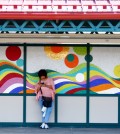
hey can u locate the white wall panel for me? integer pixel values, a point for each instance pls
(103, 110)
(11, 109)
(71, 109)
(33, 111)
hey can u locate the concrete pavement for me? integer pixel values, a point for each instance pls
(58, 130)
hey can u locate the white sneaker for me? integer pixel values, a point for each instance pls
(43, 125)
(46, 126)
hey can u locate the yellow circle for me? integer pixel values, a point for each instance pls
(56, 56)
(117, 70)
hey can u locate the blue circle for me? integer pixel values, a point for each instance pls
(20, 62)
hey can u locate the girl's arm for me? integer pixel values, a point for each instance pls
(51, 85)
(37, 87)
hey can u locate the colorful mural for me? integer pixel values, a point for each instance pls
(11, 69)
(104, 70)
(66, 65)
(102, 83)
(62, 63)
(12, 79)
(73, 82)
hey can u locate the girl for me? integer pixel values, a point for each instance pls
(45, 88)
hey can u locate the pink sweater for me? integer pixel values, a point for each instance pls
(47, 92)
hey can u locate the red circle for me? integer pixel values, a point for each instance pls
(56, 49)
(13, 53)
(72, 64)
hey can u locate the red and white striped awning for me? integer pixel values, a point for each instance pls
(60, 9)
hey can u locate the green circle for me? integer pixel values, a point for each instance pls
(70, 57)
(81, 50)
(88, 58)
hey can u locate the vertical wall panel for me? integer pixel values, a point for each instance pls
(11, 109)
(71, 109)
(33, 111)
(103, 110)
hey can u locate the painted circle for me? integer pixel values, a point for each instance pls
(70, 57)
(56, 49)
(13, 53)
(79, 77)
(71, 60)
(81, 50)
(56, 53)
(20, 62)
(88, 58)
(117, 70)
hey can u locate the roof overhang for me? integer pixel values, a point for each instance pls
(60, 39)
(60, 16)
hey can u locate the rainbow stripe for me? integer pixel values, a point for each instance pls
(12, 80)
(102, 83)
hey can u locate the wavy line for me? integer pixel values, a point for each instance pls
(30, 85)
(107, 78)
(99, 82)
(66, 87)
(66, 83)
(13, 86)
(73, 91)
(110, 91)
(29, 91)
(7, 63)
(17, 90)
(95, 78)
(9, 76)
(8, 72)
(101, 87)
(59, 80)
(10, 82)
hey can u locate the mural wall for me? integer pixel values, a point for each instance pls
(11, 69)
(66, 65)
(105, 70)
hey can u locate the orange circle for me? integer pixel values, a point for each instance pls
(56, 49)
(72, 64)
(54, 55)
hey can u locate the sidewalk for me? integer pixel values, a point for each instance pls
(35, 130)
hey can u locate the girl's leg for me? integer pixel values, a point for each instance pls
(41, 105)
(48, 113)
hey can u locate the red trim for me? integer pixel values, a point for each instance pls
(59, 7)
(104, 7)
(60, 16)
(30, 6)
(74, 7)
(89, 6)
(118, 7)
(44, 6)
(15, 6)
